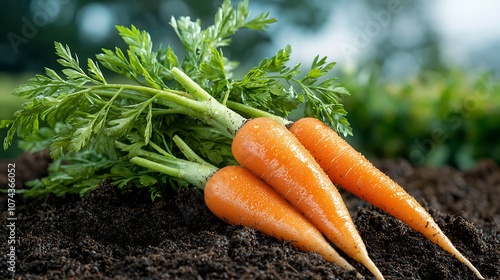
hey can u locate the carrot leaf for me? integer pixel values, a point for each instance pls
(82, 118)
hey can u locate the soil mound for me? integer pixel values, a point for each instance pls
(124, 235)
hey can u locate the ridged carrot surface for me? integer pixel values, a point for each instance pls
(352, 171)
(269, 150)
(236, 196)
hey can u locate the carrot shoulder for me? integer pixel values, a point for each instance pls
(269, 150)
(353, 172)
(236, 196)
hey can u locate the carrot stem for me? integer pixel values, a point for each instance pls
(176, 101)
(188, 152)
(254, 112)
(231, 120)
(194, 173)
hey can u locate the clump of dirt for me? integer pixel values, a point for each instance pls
(124, 235)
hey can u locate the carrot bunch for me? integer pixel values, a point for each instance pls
(285, 184)
(237, 196)
(303, 162)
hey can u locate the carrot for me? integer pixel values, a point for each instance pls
(236, 196)
(266, 147)
(352, 171)
(269, 150)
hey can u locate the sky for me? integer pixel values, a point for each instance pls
(465, 28)
(470, 31)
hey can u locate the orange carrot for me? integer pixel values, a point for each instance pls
(353, 172)
(236, 196)
(269, 150)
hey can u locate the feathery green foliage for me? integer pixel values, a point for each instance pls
(82, 118)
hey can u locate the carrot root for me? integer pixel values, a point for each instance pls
(352, 171)
(236, 196)
(269, 150)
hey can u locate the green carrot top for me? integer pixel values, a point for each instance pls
(80, 115)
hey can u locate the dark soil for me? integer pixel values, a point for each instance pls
(112, 235)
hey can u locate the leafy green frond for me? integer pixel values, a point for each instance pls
(199, 42)
(139, 42)
(66, 59)
(262, 86)
(117, 62)
(278, 62)
(169, 58)
(76, 173)
(94, 129)
(73, 71)
(214, 68)
(261, 21)
(323, 97)
(95, 72)
(141, 64)
(189, 33)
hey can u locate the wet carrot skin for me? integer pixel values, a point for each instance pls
(271, 152)
(350, 170)
(236, 196)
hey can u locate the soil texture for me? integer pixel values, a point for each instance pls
(124, 235)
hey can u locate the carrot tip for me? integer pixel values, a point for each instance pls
(378, 275)
(461, 258)
(368, 263)
(474, 269)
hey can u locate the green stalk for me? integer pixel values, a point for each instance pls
(180, 102)
(174, 97)
(188, 152)
(229, 119)
(160, 150)
(254, 112)
(194, 171)
(203, 106)
(191, 172)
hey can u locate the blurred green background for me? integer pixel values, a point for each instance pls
(423, 76)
